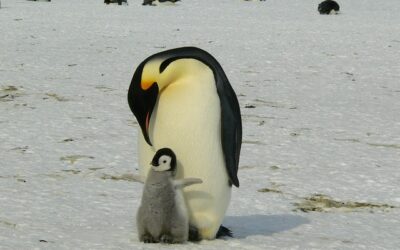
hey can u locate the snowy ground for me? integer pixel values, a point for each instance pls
(320, 99)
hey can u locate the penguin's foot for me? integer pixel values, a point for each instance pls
(194, 234)
(148, 239)
(167, 239)
(224, 232)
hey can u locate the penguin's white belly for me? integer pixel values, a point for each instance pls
(187, 119)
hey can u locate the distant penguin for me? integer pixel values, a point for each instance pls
(156, 2)
(162, 215)
(182, 98)
(328, 7)
(115, 1)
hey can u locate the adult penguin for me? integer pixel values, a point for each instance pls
(157, 2)
(328, 7)
(183, 100)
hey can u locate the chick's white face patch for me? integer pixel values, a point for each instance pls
(164, 163)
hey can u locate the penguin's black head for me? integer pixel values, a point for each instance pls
(152, 76)
(164, 160)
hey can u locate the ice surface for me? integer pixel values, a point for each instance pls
(320, 100)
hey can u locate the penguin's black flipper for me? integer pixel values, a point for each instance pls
(194, 235)
(224, 232)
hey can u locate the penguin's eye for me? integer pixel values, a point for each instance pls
(164, 161)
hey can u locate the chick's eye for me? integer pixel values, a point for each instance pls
(164, 161)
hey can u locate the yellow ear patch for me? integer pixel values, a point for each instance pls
(146, 84)
(150, 74)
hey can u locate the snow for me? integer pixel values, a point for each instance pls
(325, 93)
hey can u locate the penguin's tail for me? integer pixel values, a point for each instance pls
(224, 232)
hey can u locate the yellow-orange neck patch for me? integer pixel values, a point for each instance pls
(145, 85)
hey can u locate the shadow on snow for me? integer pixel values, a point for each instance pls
(259, 224)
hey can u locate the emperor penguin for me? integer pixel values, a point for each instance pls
(158, 2)
(328, 7)
(162, 215)
(182, 98)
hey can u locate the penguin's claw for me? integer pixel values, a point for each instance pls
(148, 239)
(167, 239)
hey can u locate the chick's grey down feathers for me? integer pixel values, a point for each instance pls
(160, 218)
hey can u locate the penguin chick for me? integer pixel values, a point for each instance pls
(162, 215)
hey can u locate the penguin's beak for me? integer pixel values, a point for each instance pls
(142, 98)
